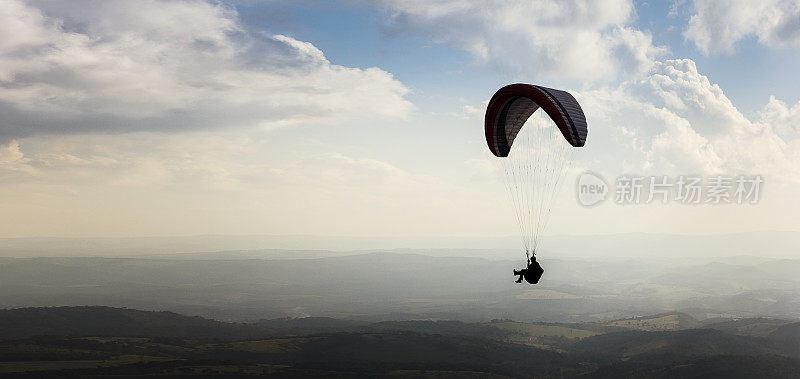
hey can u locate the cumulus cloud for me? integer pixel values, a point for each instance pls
(577, 39)
(675, 121)
(785, 119)
(716, 26)
(168, 65)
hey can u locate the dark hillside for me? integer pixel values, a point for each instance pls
(104, 341)
(729, 367)
(693, 342)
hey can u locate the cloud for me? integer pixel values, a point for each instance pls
(785, 119)
(716, 26)
(676, 122)
(169, 65)
(577, 39)
(473, 112)
(13, 163)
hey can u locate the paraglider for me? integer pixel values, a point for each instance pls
(532, 273)
(535, 158)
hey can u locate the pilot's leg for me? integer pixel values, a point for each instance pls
(521, 273)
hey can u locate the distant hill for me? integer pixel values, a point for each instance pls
(106, 321)
(376, 286)
(447, 328)
(316, 323)
(663, 321)
(788, 337)
(755, 327)
(779, 244)
(692, 342)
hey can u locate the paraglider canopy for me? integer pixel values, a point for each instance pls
(541, 150)
(513, 104)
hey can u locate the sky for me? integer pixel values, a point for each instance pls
(364, 118)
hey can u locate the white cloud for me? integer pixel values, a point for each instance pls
(676, 122)
(168, 65)
(13, 161)
(784, 119)
(474, 112)
(716, 26)
(576, 39)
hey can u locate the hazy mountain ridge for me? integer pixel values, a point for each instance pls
(374, 286)
(776, 244)
(106, 321)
